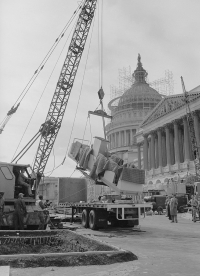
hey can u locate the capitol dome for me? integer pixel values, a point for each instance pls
(140, 96)
(128, 112)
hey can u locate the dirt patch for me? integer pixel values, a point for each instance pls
(67, 248)
(62, 242)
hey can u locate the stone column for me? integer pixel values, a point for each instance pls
(168, 150)
(113, 142)
(145, 153)
(149, 153)
(115, 139)
(133, 132)
(109, 142)
(125, 139)
(120, 139)
(181, 145)
(156, 153)
(197, 129)
(164, 154)
(171, 135)
(176, 142)
(153, 150)
(128, 137)
(159, 133)
(139, 156)
(186, 139)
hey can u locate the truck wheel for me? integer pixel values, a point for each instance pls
(181, 209)
(84, 218)
(92, 220)
(160, 210)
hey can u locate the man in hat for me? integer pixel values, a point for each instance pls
(2, 204)
(22, 182)
(19, 213)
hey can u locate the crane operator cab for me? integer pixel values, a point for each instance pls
(15, 179)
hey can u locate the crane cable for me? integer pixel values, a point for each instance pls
(62, 163)
(37, 71)
(90, 132)
(100, 42)
(44, 89)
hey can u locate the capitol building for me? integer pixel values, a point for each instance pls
(151, 132)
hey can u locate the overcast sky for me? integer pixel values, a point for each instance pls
(165, 32)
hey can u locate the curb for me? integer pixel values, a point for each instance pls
(67, 259)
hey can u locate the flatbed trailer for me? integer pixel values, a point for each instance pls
(101, 215)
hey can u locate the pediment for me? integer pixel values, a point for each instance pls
(168, 105)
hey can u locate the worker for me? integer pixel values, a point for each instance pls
(41, 214)
(47, 203)
(22, 182)
(40, 202)
(154, 207)
(168, 208)
(2, 204)
(19, 213)
(173, 208)
(194, 204)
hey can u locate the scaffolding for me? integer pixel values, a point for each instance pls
(164, 86)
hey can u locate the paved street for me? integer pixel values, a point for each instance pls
(163, 248)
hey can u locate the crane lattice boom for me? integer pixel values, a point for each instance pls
(190, 120)
(64, 86)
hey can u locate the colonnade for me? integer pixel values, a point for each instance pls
(170, 144)
(121, 138)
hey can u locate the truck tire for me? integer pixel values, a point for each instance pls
(92, 220)
(181, 209)
(160, 209)
(84, 218)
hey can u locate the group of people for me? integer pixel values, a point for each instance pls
(20, 211)
(171, 204)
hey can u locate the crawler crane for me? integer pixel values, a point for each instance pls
(50, 128)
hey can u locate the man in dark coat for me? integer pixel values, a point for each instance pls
(19, 213)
